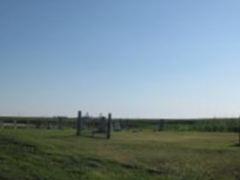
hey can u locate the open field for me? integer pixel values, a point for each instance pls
(59, 154)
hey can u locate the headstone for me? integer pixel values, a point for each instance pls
(99, 125)
(160, 125)
(60, 123)
(15, 124)
(48, 124)
(38, 124)
(117, 126)
(27, 124)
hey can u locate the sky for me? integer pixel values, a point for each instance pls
(133, 58)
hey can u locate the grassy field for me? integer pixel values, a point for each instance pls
(56, 154)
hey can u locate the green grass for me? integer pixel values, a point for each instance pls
(55, 154)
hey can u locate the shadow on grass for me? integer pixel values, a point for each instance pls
(236, 145)
(94, 137)
(98, 136)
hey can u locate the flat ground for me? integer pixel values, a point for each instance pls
(55, 154)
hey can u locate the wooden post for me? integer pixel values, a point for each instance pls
(48, 124)
(27, 124)
(1, 124)
(37, 124)
(109, 123)
(79, 123)
(15, 124)
(239, 136)
(160, 125)
(239, 133)
(60, 121)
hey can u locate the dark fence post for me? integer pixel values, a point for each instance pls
(109, 123)
(15, 124)
(239, 136)
(239, 132)
(60, 123)
(79, 123)
(27, 123)
(1, 123)
(38, 124)
(160, 125)
(48, 124)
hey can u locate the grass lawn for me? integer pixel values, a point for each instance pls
(56, 154)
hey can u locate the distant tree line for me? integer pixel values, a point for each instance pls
(207, 125)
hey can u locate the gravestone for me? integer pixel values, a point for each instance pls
(160, 125)
(48, 124)
(15, 124)
(38, 124)
(117, 126)
(60, 122)
(101, 126)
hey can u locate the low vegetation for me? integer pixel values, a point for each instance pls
(59, 154)
(202, 125)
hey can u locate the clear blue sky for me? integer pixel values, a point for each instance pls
(134, 58)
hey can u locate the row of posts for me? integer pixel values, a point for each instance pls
(15, 124)
(80, 125)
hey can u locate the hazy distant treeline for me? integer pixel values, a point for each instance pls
(209, 125)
